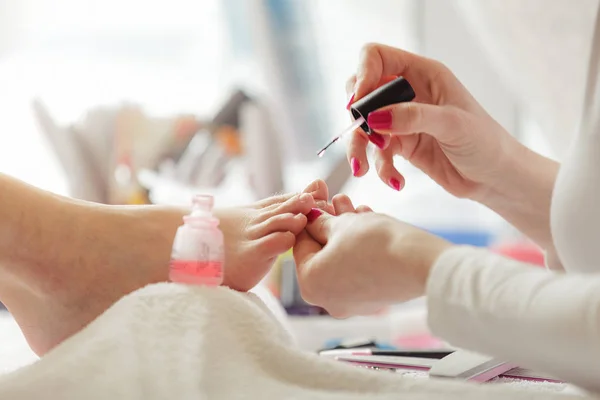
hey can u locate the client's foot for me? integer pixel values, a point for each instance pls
(112, 251)
(257, 234)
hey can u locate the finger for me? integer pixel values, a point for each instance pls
(350, 83)
(308, 258)
(379, 140)
(351, 86)
(384, 163)
(378, 60)
(386, 78)
(337, 312)
(319, 225)
(298, 204)
(342, 204)
(288, 222)
(409, 118)
(363, 209)
(304, 251)
(318, 189)
(275, 243)
(357, 153)
(357, 149)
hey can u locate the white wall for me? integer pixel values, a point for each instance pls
(78, 54)
(432, 27)
(447, 37)
(344, 26)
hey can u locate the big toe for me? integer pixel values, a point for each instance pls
(286, 222)
(300, 204)
(318, 189)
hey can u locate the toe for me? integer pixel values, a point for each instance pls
(363, 209)
(314, 186)
(275, 244)
(300, 204)
(325, 206)
(342, 204)
(287, 222)
(318, 189)
(275, 200)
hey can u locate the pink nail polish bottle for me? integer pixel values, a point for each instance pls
(198, 249)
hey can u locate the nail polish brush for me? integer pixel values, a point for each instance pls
(396, 91)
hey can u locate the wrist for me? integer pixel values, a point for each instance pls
(436, 247)
(416, 253)
(523, 193)
(524, 178)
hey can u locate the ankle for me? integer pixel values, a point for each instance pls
(38, 254)
(133, 245)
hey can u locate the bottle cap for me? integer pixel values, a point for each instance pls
(202, 206)
(396, 91)
(203, 202)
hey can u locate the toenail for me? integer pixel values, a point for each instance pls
(313, 214)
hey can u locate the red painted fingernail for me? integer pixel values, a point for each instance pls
(395, 183)
(380, 120)
(377, 139)
(355, 165)
(313, 214)
(350, 101)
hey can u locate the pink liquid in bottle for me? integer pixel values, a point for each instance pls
(198, 254)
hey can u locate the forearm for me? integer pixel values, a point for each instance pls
(542, 320)
(525, 195)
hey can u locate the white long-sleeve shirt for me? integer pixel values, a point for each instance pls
(547, 321)
(541, 319)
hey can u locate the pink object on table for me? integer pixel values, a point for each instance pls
(524, 252)
(422, 341)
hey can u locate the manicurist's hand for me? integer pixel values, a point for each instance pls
(449, 136)
(444, 131)
(356, 263)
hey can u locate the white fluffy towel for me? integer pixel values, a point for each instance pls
(169, 341)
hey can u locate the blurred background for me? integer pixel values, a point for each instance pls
(134, 102)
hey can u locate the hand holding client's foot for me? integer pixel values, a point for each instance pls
(63, 262)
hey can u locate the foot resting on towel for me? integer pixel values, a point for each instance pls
(63, 262)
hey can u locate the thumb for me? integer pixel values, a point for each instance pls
(409, 118)
(319, 225)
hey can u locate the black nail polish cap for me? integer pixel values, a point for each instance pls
(396, 91)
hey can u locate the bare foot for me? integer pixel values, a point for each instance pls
(257, 234)
(108, 252)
